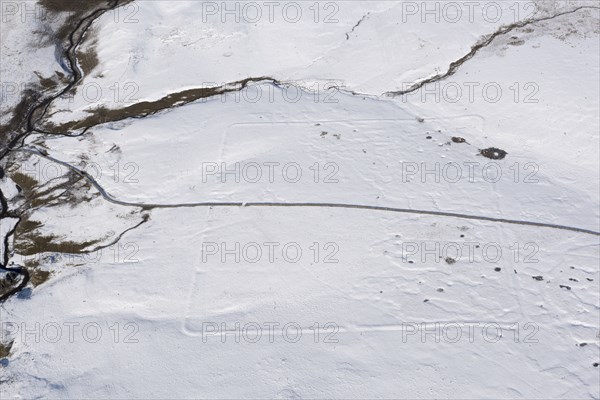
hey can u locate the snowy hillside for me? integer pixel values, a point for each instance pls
(383, 199)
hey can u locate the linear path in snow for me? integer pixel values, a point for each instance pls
(113, 200)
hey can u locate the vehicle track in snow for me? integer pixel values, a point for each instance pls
(150, 206)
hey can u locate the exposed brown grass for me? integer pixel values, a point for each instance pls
(5, 349)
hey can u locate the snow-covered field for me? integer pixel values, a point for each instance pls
(312, 232)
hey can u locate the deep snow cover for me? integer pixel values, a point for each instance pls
(336, 199)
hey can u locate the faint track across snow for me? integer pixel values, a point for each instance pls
(149, 206)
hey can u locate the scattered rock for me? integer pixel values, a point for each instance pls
(515, 41)
(493, 153)
(450, 260)
(458, 139)
(538, 278)
(497, 269)
(565, 287)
